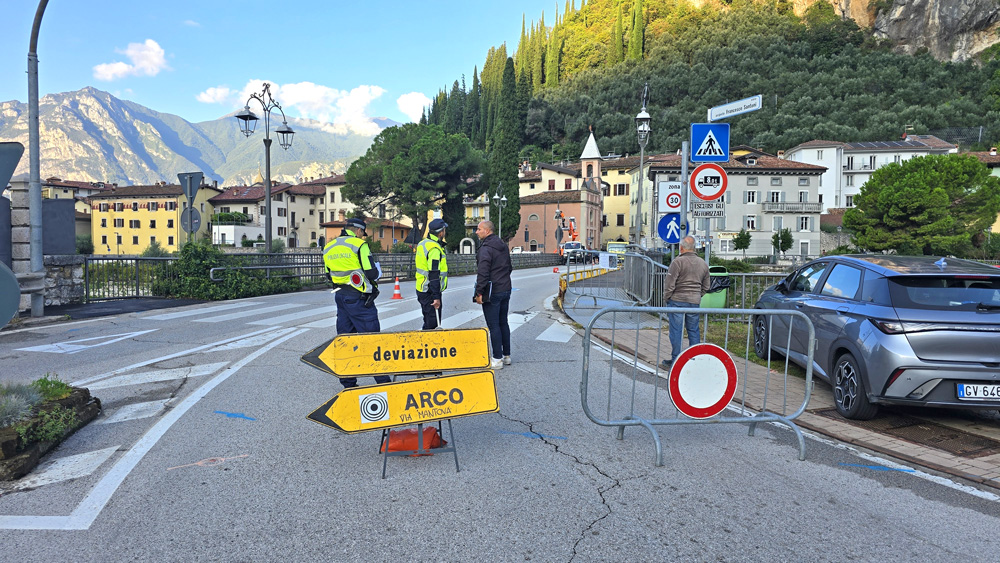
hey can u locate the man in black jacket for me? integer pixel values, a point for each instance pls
(493, 265)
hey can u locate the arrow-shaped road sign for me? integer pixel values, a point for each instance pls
(375, 407)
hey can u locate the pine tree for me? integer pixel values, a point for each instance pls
(455, 110)
(617, 48)
(637, 35)
(470, 120)
(507, 139)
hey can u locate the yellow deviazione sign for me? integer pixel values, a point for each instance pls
(374, 407)
(419, 351)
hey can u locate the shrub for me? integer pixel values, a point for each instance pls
(26, 391)
(51, 387)
(51, 425)
(155, 250)
(401, 248)
(84, 244)
(192, 277)
(13, 409)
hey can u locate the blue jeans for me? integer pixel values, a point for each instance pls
(354, 316)
(496, 320)
(690, 321)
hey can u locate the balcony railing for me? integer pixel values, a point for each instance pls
(792, 207)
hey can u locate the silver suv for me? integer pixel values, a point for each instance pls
(909, 330)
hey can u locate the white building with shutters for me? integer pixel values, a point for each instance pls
(764, 195)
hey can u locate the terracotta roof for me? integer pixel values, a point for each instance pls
(570, 168)
(82, 216)
(816, 143)
(169, 190)
(311, 189)
(530, 176)
(246, 193)
(555, 196)
(932, 141)
(991, 160)
(57, 183)
(328, 181)
(771, 163)
(370, 222)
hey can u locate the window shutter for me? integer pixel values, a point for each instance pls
(781, 197)
(812, 223)
(626, 188)
(745, 222)
(728, 193)
(758, 197)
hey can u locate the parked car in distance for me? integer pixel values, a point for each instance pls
(517, 250)
(573, 251)
(907, 330)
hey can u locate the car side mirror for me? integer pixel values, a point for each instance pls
(782, 286)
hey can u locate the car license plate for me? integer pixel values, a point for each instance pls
(969, 392)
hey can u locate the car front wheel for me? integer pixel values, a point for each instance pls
(849, 390)
(761, 337)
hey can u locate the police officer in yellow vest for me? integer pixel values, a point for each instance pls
(432, 272)
(354, 272)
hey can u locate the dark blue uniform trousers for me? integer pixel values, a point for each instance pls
(354, 316)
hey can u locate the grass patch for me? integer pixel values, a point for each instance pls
(739, 346)
(51, 387)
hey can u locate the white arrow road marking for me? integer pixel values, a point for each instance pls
(557, 332)
(86, 512)
(63, 469)
(253, 341)
(136, 411)
(158, 375)
(201, 311)
(75, 346)
(460, 318)
(241, 314)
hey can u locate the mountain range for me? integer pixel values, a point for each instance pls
(90, 135)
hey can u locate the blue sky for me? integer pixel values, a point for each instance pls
(334, 61)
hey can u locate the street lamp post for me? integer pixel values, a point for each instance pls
(248, 120)
(642, 128)
(500, 202)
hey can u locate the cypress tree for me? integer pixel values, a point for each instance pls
(538, 57)
(507, 138)
(638, 32)
(552, 55)
(470, 120)
(455, 110)
(617, 48)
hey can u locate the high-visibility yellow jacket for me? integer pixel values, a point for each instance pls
(432, 267)
(349, 263)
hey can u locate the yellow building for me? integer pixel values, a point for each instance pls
(128, 219)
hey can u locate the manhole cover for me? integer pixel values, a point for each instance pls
(931, 434)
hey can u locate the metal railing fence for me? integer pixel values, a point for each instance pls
(638, 337)
(124, 277)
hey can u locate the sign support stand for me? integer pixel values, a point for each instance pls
(420, 451)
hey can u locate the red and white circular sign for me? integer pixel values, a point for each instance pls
(673, 202)
(709, 181)
(702, 381)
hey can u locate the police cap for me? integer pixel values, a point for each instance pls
(357, 223)
(437, 225)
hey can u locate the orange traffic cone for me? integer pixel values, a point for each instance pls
(555, 270)
(395, 292)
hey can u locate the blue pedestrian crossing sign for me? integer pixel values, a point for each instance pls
(710, 142)
(669, 228)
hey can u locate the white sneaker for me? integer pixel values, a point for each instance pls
(506, 360)
(496, 364)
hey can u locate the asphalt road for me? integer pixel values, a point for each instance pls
(225, 466)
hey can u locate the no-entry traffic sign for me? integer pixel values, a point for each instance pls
(709, 181)
(702, 381)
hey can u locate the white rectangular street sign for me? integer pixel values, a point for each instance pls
(706, 209)
(735, 108)
(670, 192)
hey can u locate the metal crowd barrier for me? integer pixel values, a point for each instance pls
(608, 278)
(638, 338)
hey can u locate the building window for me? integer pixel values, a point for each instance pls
(750, 197)
(281, 231)
(849, 201)
(726, 245)
(531, 186)
(775, 196)
(605, 189)
(381, 232)
(604, 220)
(896, 159)
(568, 184)
(552, 184)
(202, 207)
(776, 181)
(153, 206)
(776, 225)
(333, 197)
(170, 241)
(803, 197)
(170, 224)
(103, 207)
(118, 238)
(133, 224)
(803, 181)
(104, 239)
(819, 155)
(752, 181)
(119, 223)
(291, 199)
(533, 217)
(621, 189)
(604, 172)
(620, 221)
(135, 239)
(282, 212)
(849, 181)
(803, 223)
(152, 223)
(381, 211)
(311, 212)
(170, 206)
(152, 240)
(751, 222)
(104, 223)
(119, 207)
(135, 206)
(277, 197)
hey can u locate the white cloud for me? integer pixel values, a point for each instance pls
(413, 105)
(191, 23)
(216, 95)
(341, 111)
(147, 59)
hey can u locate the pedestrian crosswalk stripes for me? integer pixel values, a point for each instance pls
(292, 317)
(201, 311)
(250, 313)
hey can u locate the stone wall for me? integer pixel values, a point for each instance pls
(64, 282)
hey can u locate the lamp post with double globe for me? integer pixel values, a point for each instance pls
(248, 120)
(642, 128)
(500, 202)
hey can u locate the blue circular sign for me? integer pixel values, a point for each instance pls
(669, 228)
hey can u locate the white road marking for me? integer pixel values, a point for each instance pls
(201, 311)
(86, 512)
(75, 346)
(292, 317)
(136, 411)
(158, 375)
(399, 319)
(328, 322)
(64, 469)
(557, 332)
(460, 318)
(252, 341)
(517, 320)
(84, 382)
(52, 326)
(241, 314)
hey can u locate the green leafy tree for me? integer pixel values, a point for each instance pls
(937, 204)
(414, 168)
(742, 241)
(84, 244)
(782, 241)
(508, 137)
